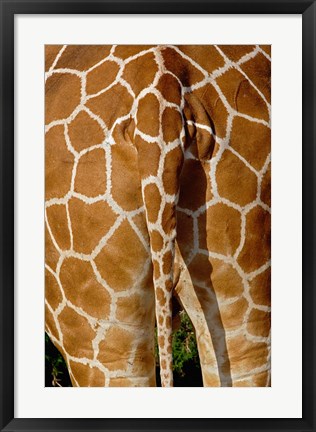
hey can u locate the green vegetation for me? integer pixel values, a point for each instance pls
(184, 347)
(56, 373)
(186, 364)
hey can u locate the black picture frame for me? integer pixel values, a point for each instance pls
(8, 9)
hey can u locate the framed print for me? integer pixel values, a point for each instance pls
(157, 215)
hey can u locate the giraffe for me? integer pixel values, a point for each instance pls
(158, 185)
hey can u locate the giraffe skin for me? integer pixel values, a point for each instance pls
(158, 184)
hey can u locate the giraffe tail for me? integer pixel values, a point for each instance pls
(160, 165)
(161, 225)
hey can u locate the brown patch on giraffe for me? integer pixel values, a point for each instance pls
(52, 291)
(235, 52)
(261, 379)
(58, 164)
(259, 323)
(101, 77)
(251, 140)
(168, 220)
(148, 115)
(241, 96)
(132, 310)
(266, 49)
(266, 187)
(51, 52)
(260, 288)
(115, 348)
(144, 362)
(245, 355)
(123, 247)
(220, 232)
(257, 246)
(171, 124)
(171, 170)
(185, 234)
(167, 261)
(140, 73)
(126, 185)
(90, 222)
(163, 364)
(91, 173)
(62, 95)
(210, 379)
(235, 181)
(233, 314)
(51, 253)
(156, 241)
(113, 103)
(160, 296)
(57, 219)
(226, 281)
(207, 104)
(82, 57)
(161, 341)
(82, 288)
(195, 185)
(200, 268)
(160, 320)
(156, 269)
(259, 72)
(50, 323)
(181, 67)
(84, 132)
(168, 322)
(206, 56)
(170, 88)
(152, 199)
(72, 324)
(148, 157)
(169, 287)
(125, 51)
(87, 376)
(120, 382)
